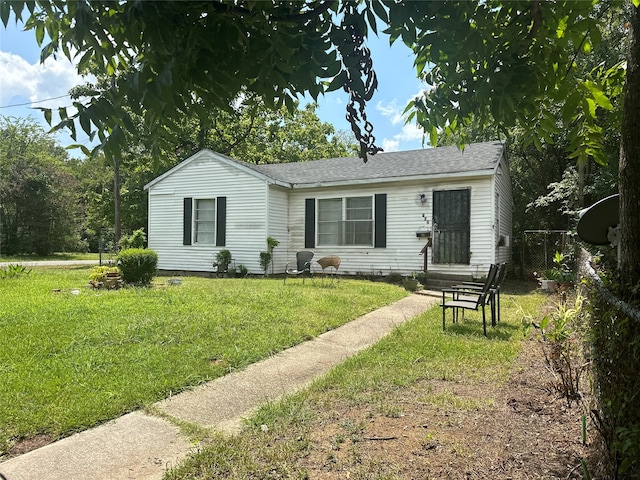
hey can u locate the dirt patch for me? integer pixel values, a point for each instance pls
(442, 429)
(26, 445)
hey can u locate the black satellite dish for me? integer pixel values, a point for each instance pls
(595, 221)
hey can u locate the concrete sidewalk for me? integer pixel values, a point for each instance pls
(51, 263)
(142, 446)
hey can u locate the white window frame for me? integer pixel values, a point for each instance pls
(197, 221)
(341, 232)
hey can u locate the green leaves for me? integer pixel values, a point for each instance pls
(502, 61)
(167, 59)
(599, 98)
(496, 66)
(5, 12)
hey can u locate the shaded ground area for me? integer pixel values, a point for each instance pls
(520, 430)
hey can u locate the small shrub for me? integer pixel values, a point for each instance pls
(137, 239)
(239, 271)
(223, 260)
(138, 265)
(265, 260)
(12, 271)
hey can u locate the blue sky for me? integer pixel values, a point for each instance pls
(23, 80)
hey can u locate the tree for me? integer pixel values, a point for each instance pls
(213, 53)
(38, 202)
(512, 63)
(548, 188)
(253, 133)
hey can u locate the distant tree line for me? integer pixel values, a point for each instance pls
(51, 202)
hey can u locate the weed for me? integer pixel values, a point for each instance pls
(562, 347)
(391, 411)
(13, 271)
(337, 441)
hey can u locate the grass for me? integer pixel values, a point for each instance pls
(55, 256)
(72, 357)
(381, 380)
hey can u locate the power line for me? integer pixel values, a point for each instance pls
(36, 101)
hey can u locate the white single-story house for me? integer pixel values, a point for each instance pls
(443, 210)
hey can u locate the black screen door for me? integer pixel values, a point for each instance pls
(451, 226)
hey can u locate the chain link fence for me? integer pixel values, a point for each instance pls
(540, 246)
(614, 353)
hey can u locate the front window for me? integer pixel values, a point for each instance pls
(205, 221)
(345, 221)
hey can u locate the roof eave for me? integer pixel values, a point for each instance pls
(371, 181)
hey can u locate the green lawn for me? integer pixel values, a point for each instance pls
(380, 381)
(72, 357)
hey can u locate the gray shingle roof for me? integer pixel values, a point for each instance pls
(476, 158)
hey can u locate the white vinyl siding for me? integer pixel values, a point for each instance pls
(277, 226)
(406, 214)
(258, 207)
(208, 176)
(504, 221)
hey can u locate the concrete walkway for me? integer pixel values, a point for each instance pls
(52, 263)
(142, 446)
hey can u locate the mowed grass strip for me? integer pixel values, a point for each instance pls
(72, 357)
(380, 381)
(17, 259)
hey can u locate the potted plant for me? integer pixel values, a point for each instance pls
(410, 282)
(549, 279)
(559, 275)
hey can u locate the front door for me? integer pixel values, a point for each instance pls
(451, 226)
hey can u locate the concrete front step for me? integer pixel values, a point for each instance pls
(437, 284)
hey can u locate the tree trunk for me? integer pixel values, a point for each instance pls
(629, 177)
(117, 232)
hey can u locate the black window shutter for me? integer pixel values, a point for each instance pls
(221, 221)
(187, 220)
(310, 223)
(380, 229)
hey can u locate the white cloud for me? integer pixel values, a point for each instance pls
(410, 131)
(36, 82)
(392, 110)
(390, 145)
